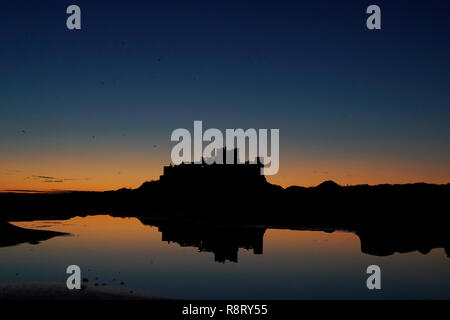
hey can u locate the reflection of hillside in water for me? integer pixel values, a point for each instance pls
(391, 241)
(11, 235)
(226, 240)
(222, 240)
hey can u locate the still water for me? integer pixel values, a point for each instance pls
(290, 264)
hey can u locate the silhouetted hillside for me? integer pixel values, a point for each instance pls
(328, 185)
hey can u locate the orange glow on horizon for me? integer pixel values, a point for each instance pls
(112, 172)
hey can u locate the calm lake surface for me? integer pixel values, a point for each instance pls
(293, 265)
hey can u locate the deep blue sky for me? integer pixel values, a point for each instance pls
(139, 69)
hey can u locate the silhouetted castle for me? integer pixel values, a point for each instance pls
(215, 174)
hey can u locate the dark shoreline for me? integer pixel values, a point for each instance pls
(58, 291)
(12, 235)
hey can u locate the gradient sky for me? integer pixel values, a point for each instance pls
(94, 109)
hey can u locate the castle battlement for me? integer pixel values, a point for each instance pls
(213, 173)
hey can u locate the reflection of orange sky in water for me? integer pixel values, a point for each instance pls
(319, 238)
(307, 262)
(128, 238)
(128, 233)
(112, 172)
(100, 229)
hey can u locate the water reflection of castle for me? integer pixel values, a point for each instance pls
(222, 240)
